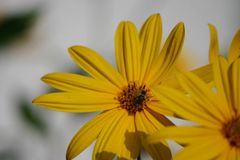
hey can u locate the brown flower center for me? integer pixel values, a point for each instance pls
(231, 131)
(134, 97)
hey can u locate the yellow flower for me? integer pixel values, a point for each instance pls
(216, 111)
(129, 109)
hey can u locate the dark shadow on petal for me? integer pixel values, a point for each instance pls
(108, 156)
(105, 155)
(131, 141)
(162, 150)
(120, 158)
(156, 150)
(161, 118)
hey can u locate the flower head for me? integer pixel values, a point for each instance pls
(216, 111)
(129, 109)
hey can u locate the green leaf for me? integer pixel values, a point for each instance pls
(9, 154)
(32, 116)
(16, 26)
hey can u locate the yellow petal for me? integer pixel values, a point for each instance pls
(234, 82)
(173, 83)
(131, 146)
(88, 133)
(153, 120)
(213, 49)
(183, 135)
(224, 155)
(99, 150)
(237, 154)
(73, 82)
(150, 38)
(96, 65)
(168, 56)
(233, 154)
(201, 151)
(184, 106)
(76, 102)
(160, 108)
(204, 72)
(146, 127)
(127, 46)
(221, 79)
(203, 95)
(234, 50)
(160, 117)
(118, 137)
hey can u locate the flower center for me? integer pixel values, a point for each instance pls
(231, 131)
(134, 97)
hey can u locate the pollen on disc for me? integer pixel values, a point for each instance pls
(134, 97)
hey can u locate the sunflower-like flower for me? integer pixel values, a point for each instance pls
(129, 110)
(216, 111)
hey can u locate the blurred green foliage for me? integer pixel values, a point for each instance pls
(32, 116)
(9, 155)
(16, 26)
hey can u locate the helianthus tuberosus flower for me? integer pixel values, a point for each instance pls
(216, 111)
(129, 109)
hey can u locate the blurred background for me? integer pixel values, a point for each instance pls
(35, 35)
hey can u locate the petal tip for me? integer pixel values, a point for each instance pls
(126, 23)
(210, 25)
(212, 28)
(179, 29)
(73, 49)
(181, 26)
(157, 15)
(129, 23)
(34, 101)
(37, 100)
(121, 23)
(43, 78)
